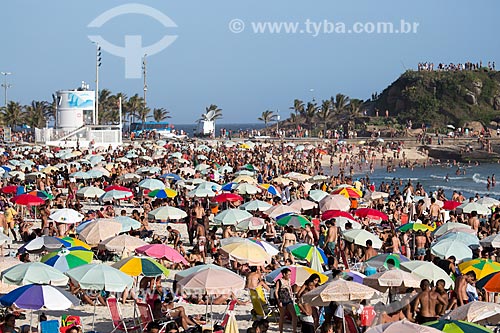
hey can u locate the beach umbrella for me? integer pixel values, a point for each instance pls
(117, 188)
(476, 312)
(318, 179)
(173, 176)
(66, 259)
(100, 277)
(188, 271)
(5, 263)
(34, 175)
(268, 247)
(127, 223)
(342, 222)
(201, 193)
(381, 260)
(44, 243)
(100, 169)
(295, 221)
(427, 270)
(244, 173)
(162, 193)
(457, 326)
(244, 188)
(138, 265)
(33, 272)
(299, 274)
(283, 181)
(348, 192)
(211, 281)
(448, 247)
(334, 213)
(130, 177)
(359, 237)
(76, 242)
(116, 195)
(121, 243)
(255, 205)
(161, 251)
(231, 216)
(81, 175)
(376, 195)
(482, 267)
(490, 283)
(37, 296)
(151, 184)
(271, 189)
(66, 215)
(226, 168)
(414, 227)
(404, 325)
(470, 207)
(252, 223)
(96, 231)
(491, 241)
(302, 204)
(27, 200)
(317, 195)
(466, 238)
(371, 213)
(89, 192)
(488, 202)
(229, 186)
(50, 169)
(450, 226)
(9, 189)
(17, 174)
(227, 197)
(392, 278)
(307, 252)
(42, 194)
(338, 291)
(300, 177)
(334, 202)
(451, 205)
(352, 276)
(95, 173)
(245, 179)
(279, 210)
(166, 213)
(247, 253)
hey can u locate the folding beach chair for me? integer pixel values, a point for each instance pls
(49, 326)
(145, 314)
(68, 321)
(260, 303)
(119, 324)
(227, 314)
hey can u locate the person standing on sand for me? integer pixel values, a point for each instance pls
(331, 237)
(427, 300)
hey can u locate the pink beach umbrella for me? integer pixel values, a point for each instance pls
(161, 251)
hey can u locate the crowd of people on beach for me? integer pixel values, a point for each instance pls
(283, 174)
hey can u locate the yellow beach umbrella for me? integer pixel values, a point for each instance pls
(247, 253)
(482, 267)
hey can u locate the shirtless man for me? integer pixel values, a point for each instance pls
(427, 299)
(434, 211)
(474, 221)
(331, 237)
(254, 279)
(227, 232)
(461, 287)
(420, 241)
(202, 239)
(199, 212)
(396, 243)
(441, 290)
(308, 235)
(370, 251)
(175, 235)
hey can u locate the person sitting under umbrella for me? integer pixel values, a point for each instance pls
(168, 311)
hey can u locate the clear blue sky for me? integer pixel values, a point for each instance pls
(45, 46)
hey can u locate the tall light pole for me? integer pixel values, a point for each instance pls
(278, 123)
(97, 65)
(5, 86)
(144, 72)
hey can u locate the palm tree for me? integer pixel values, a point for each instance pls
(355, 107)
(267, 116)
(12, 114)
(35, 115)
(160, 114)
(133, 104)
(309, 115)
(51, 111)
(143, 113)
(325, 113)
(298, 106)
(341, 103)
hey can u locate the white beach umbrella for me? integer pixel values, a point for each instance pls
(66, 215)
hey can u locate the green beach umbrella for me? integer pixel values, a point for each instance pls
(33, 272)
(296, 221)
(307, 252)
(67, 259)
(457, 326)
(100, 277)
(136, 265)
(415, 227)
(386, 260)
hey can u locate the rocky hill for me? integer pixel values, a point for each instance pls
(438, 98)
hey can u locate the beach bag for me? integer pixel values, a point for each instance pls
(367, 316)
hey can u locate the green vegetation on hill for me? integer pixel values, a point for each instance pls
(439, 98)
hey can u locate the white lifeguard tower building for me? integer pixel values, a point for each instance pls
(76, 122)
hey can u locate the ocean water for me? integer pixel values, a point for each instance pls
(432, 178)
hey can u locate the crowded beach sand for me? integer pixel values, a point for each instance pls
(287, 196)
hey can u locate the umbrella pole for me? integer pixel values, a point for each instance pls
(31, 319)
(93, 315)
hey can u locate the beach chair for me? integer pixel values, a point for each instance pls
(68, 321)
(145, 314)
(260, 304)
(225, 317)
(120, 324)
(49, 326)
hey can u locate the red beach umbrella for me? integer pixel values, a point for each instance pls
(27, 200)
(451, 205)
(371, 214)
(330, 214)
(9, 189)
(231, 197)
(118, 188)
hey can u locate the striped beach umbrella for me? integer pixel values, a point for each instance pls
(457, 326)
(162, 193)
(66, 259)
(135, 266)
(296, 221)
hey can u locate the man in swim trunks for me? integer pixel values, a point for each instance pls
(331, 236)
(427, 300)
